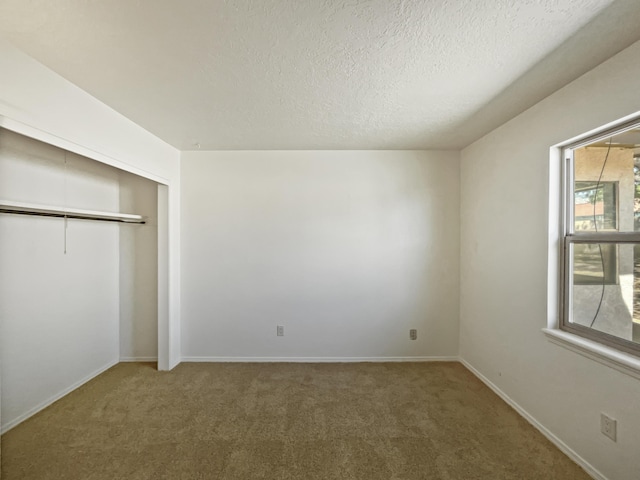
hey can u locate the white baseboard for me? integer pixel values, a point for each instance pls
(16, 421)
(138, 359)
(318, 359)
(568, 451)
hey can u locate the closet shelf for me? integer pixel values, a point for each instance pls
(21, 208)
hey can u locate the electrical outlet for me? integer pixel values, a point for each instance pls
(413, 334)
(280, 330)
(608, 426)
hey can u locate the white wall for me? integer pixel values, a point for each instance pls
(504, 236)
(39, 103)
(347, 249)
(58, 311)
(138, 270)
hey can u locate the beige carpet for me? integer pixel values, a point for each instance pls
(282, 421)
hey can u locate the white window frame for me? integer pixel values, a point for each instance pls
(568, 237)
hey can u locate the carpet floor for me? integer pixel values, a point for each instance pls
(246, 421)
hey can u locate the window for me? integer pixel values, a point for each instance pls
(595, 205)
(601, 225)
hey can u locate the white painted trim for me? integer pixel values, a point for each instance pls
(319, 359)
(164, 316)
(138, 359)
(620, 361)
(51, 139)
(16, 421)
(564, 448)
(555, 226)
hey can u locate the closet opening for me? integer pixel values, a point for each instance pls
(80, 265)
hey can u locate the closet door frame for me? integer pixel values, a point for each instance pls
(168, 310)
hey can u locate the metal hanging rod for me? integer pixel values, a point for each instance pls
(19, 208)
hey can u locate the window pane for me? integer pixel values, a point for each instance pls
(593, 261)
(608, 306)
(596, 206)
(607, 184)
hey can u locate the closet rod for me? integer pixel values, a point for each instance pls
(20, 208)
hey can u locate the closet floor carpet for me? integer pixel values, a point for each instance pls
(282, 421)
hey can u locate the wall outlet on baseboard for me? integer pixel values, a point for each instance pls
(608, 426)
(280, 330)
(413, 334)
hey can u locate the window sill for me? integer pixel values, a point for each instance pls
(623, 362)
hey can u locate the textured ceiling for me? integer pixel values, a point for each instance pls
(324, 74)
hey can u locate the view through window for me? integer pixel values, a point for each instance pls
(602, 239)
